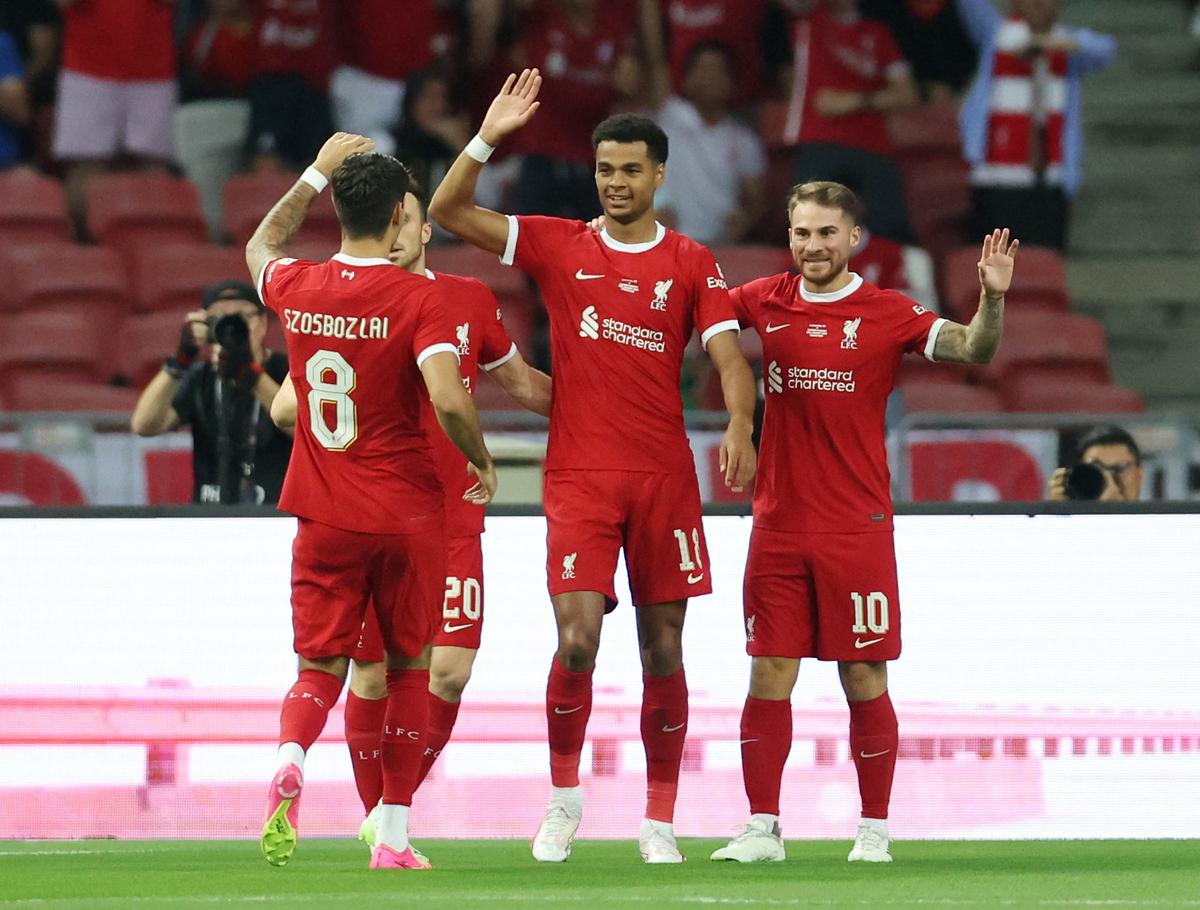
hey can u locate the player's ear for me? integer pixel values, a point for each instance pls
(398, 214)
(855, 235)
(426, 233)
(660, 173)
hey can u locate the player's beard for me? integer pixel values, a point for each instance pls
(818, 274)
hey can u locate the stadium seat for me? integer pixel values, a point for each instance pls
(1050, 344)
(128, 210)
(949, 397)
(1034, 394)
(472, 262)
(146, 340)
(173, 276)
(33, 209)
(66, 343)
(744, 263)
(247, 198)
(915, 368)
(939, 200)
(1039, 281)
(925, 132)
(65, 276)
(36, 390)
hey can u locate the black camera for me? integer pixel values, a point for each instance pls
(229, 331)
(1086, 482)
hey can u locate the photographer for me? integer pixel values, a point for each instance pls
(1108, 468)
(238, 454)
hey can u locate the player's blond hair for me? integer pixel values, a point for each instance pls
(828, 194)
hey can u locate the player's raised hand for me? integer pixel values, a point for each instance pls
(738, 459)
(485, 489)
(996, 263)
(513, 107)
(338, 148)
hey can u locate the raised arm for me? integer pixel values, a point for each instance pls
(456, 413)
(276, 230)
(527, 386)
(738, 459)
(453, 204)
(977, 341)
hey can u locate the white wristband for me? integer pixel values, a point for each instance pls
(479, 150)
(314, 178)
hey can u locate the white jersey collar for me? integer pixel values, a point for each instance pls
(833, 296)
(358, 260)
(659, 233)
(429, 274)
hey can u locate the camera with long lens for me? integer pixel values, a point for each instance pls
(1086, 482)
(229, 331)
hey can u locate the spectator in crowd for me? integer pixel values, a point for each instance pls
(933, 40)
(846, 74)
(14, 102)
(714, 191)
(116, 88)
(36, 26)
(1108, 467)
(296, 51)
(1022, 121)
(895, 267)
(432, 131)
(218, 55)
(225, 398)
(736, 23)
(380, 50)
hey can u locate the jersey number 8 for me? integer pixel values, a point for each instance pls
(332, 391)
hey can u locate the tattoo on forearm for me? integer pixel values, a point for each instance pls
(984, 336)
(282, 222)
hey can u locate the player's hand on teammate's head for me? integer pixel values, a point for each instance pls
(513, 107)
(485, 489)
(996, 262)
(338, 148)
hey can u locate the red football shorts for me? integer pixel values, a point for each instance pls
(462, 603)
(336, 573)
(829, 596)
(591, 515)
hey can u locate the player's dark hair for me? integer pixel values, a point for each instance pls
(415, 187)
(366, 189)
(1109, 435)
(828, 194)
(633, 128)
(711, 46)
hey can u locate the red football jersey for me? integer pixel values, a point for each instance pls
(120, 39)
(298, 36)
(737, 23)
(357, 331)
(385, 41)
(849, 55)
(830, 362)
(880, 261)
(483, 344)
(620, 317)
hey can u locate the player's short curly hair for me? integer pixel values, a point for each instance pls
(828, 194)
(366, 189)
(633, 128)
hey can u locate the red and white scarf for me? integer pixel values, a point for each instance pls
(1027, 92)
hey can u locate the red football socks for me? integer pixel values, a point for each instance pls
(364, 730)
(442, 715)
(664, 727)
(307, 706)
(766, 742)
(568, 706)
(404, 732)
(874, 741)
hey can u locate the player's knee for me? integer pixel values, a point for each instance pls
(334, 666)
(863, 680)
(369, 680)
(448, 683)
(577, 648)
(773, 678)
(662, 658)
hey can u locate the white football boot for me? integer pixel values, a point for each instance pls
(871, 843)
(656, 843)
(760, 842)
(552, 843)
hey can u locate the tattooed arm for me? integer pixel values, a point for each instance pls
(977, 341)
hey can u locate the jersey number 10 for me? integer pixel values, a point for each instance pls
(336, 392)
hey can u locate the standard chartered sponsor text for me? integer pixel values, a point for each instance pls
(820, 380)
(354, 328)
(636, 336)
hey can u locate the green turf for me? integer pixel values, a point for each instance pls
(106, 875)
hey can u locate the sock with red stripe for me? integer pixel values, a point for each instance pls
(404, 733)
(364, 732)
(306, 707)
(568, 706)
(874, 741)
(442, 715)
(766, 742)
(664, 727)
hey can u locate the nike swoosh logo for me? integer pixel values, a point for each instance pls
(776, 328)
(744, 741)
(673, 729)
(693, 579)
(447, 628)
(873, 754)
(581, 275)
(568, 710)
(859, 643)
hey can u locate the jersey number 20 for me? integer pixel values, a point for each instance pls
(332, 380)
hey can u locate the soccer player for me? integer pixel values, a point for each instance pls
(821, 572)
(619, 471)
(367, 342)
(482, 344)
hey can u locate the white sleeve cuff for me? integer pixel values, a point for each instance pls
(259, 279)
(488, 367)
(729, 325)
(931, 341)
(441, 348)
(510, 247)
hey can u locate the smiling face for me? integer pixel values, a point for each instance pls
(626, 179)
(821, 237)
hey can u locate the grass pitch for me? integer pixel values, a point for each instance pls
(179, 875)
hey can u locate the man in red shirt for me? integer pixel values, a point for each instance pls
(367, 343)
(847, 72)
(619, 472)
(821, 572)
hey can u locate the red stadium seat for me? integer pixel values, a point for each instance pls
(65, 276)
(939, 200)
(125, 211)
(925, 132)
(1039, 281)
(472, 262)
(33, 209)
(915, 368)
(36, 390)
(741, 264)
(1051, 344)
(949, 397)
(248, 197)
(1035, 394)
(146, 340)
(66, 343)
(173, 276)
